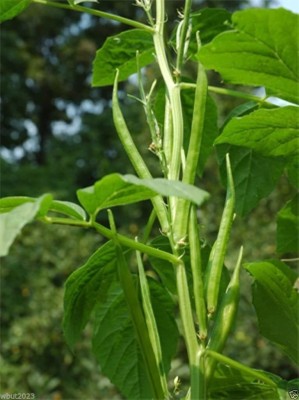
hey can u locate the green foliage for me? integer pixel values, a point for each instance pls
(288, 227)
(252, 55)
(120, 52)
(274, 290)
(11, 8)
(269, 132)
(135, 331)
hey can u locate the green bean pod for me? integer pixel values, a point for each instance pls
(218, 252)
(134, 155)
(226, 314)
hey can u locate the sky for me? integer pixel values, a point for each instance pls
(292, 5)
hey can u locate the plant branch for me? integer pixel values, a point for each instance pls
(97, 13)
(230, 92)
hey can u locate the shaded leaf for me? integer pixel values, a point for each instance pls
(209, 22)
(12, 222)
(261, 50)
(11, 8)
(119, 52)
(255, 176)
(115, 344)
(288, 227)
(270, 132)
(84, 287)
(276, 304)
(293, 171)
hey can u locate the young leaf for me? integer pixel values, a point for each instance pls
(167, 188)
(67, 208)
(269, 132)
(12, 222)
(276, 304)
(115, 344)
(288, 227)
(255, 176)
(9, 203)
(250, 54)
(11, 8)
(112, 190)
(84, 287)
(119, 52)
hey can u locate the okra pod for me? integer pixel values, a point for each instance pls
(218, 252)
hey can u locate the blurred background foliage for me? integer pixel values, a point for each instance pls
(57, 135)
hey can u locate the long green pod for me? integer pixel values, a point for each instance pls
(218, 252)
(134, 155)
(137, 317)
(151, 321)
(196, 267)
(197, 126)
(226, 314)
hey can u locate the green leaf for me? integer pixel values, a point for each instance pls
(12, 222)
(115, 190)
(269, 132)
(112, 190)
(84, 288)
(119, 52)
(11, 8)
(166, 187)
(67, 208)
(255, 176)
(276, 304)
(288, 227)
(293, 171)
(261, 50)
(9, 203)
(115, 344)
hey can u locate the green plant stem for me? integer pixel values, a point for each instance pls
(241, 367)
(230, 92)
(173, 91)
(135, 310)
(97, 13)
(183, 36)
(106, 232)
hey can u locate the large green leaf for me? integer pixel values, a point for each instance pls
(293, 171)
(84, 288)
(276, 303)
(12, 222)
(115, 190)
(255, 176)
(116, 346)
(272, 132)
(11, 8)
(261, 50)
(119, 52)
(288, 227)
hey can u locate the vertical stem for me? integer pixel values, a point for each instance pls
(173, 91)
(183, 36)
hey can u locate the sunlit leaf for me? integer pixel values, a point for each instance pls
(11, 8)
(261, 50)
